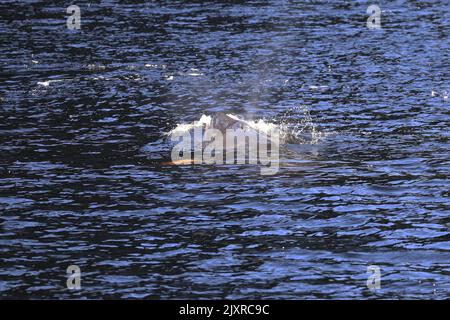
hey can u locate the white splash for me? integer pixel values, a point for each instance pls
(47, 83)
(294, 126)
(186, 127)
(256, 125)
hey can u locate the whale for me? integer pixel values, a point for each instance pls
(225, 139)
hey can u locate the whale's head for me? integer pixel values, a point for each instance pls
(222, 122)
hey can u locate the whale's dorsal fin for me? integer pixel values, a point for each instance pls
(222, 122)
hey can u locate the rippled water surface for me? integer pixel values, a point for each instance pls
(84, 173)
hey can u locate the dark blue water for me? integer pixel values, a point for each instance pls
(84, 173)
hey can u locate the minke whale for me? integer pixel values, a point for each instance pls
(226, 139)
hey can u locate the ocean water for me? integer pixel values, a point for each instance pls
(85, 178)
